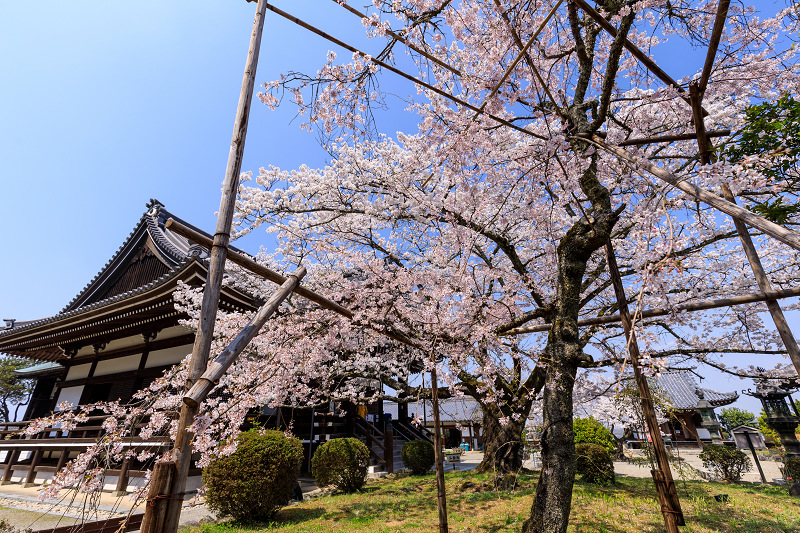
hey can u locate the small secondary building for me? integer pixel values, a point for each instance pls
(692, 421)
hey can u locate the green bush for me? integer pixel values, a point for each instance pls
(594, 463)
(592, 431)
(418, 456)
(257, 479)
(341, 463)
(791, 469)
(728, 463)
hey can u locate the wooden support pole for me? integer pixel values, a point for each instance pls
(158, 497)
(441, 495)
(713, 44)
(62, 459)
(401, 73)
(122, 481)
(246, 262)
(662, 475)
(12, 460)
(182, 451)
(702, 305)
(224, 360)
(633, 49)
(772, 229)
(388, 448)
(755, 456)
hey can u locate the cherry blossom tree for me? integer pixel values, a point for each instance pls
(482, 222)
(485, 221)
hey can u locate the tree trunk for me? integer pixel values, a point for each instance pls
(502, 443)
(563, 353)
(553, 499)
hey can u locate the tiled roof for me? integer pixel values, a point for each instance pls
(450, 409)
(174, 250)
(682, 391)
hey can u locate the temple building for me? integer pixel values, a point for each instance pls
(692, 421)
(120, 333)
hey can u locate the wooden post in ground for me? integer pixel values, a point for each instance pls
(182, 451)
(662, 475)
(441, 495)
(158, 498)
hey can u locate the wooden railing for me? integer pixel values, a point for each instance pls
(56, 442)
(384, 441)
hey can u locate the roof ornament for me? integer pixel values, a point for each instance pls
(9, 322)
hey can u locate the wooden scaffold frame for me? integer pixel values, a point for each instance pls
(168, 481)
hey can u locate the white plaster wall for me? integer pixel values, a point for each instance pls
(71, 395)
(120, 364)
(78, 371)
(170, 356)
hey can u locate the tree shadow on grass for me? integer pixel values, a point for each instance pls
(296, 515)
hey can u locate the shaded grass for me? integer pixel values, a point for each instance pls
(408, 504)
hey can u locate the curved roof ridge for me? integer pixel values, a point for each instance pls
(152, 223)
(108, 301)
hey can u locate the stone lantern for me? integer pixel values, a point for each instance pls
(709, 419)
(779, 415)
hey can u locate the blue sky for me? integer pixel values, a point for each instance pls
(105, 105)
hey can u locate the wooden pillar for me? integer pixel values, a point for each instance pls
(122, 481)
(12, 460)
(62, 460)
(31, 477)
(388, 448)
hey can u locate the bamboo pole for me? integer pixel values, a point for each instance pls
(441, 495)
(224, 360)
(702, 305)
(182, 454)
(662, 476)
(784, 235)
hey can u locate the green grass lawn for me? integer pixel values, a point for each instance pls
(408, 504)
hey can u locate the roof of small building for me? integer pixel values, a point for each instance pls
(683, 392)
(459, 410)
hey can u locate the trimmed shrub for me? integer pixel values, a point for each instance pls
(594, 463)
(257, 479)
(418, 456)
(341, 463)
(728, 463)
(590, 430)
(791, 469)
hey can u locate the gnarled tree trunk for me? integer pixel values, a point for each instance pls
(502, 442)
